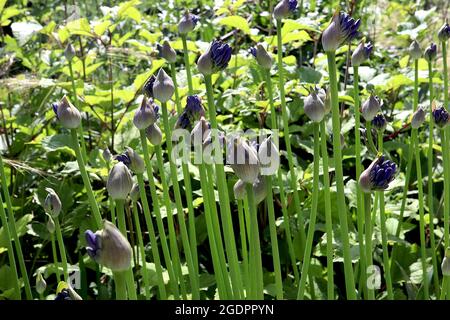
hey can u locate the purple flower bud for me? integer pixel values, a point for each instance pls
(191, 113)
(215, 59)
(269, 157)
(154, 134)
(361, 53)
(187, 22)
(371, 107)
(431, 52)
(69, 52)
(132, 160)
(166, 52)
(314, 107)
(50, 224)
(444, 32)
(259, 188)
(52, 203)
(418, 118)
(440, 115)
(200, 131)
(145, 114)
(378, 175)
(148, 86)
(67, 114)
(119, 182)
(243, 159)
(284, 8)
(109, 247)
(107, 155)
(379, 122)
(262, 56)
(135, 193)
(342, 29)
(414, 50)
(163, 87)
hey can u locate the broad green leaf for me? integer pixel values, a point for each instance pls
(21, 228)
(57, 142)
(23, 31)
(235, 22)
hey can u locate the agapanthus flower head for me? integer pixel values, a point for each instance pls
(259, 188)
(342, 29)
(148, 86)
(262, 56)
(414, 50)
(314, 106)
(431, 52)
(243, 159)
(440, 115)
(215, 59)
(119, 182)
(163, 87)
(378, 175)
(187, 22)
(52, 203)
(154, 134)
(418, 118)
(284, 8)
(370, 107)
(109, 247)
(379, 122)
(444, 32)
(191, 113)
(132, 160)
(165, 51)
(145, 115)
(67, 114)
(361, 53)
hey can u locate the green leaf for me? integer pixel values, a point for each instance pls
(61, 142)
(21, 228)
(235, 22)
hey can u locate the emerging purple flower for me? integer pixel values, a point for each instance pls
(262, 56)
(444, 32)
(191, 113)
(378, 175)
(284, 8)
(148, 86)
(431, 52)
(93, 244)
(362, 53)
(55, 109)
(252, 50)
(215, 59)
(440, 116)
(379, 122)
(187, 22)
(342, 29)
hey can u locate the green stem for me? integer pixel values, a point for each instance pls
(337, 151)
(156, 210)
(284, 210)
(370, 137)
(243, 235)
(12, 260)
(255, 248)
(129, 279)
(368, 236)
(292, 170)
(230, 243)
(121, 286)
(313, 216)
(145, 275)
(187, 64)
(62, 250)
(13, 232)
(85, 177)
(328, 216)
(55, 257)
(193, 275)
(430, 183)
(445, 154)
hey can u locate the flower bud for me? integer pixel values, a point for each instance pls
(132, 160)
(418, 118)
(119, 182)
(445, 266)
(215, 59)
(314, 107)
(187, 22)
(50, 224)
(378, 175)
(69, 52)
(414, 50)
(52, 203)
(166, 52)
(342, 29)
(284, 8)
(67, 114)
(243, 159)
(163, 88)
(444, 32)
(109, 247)
(325, 96)
(379, 122)
(154, 134)
(259, 188)
(135, 193)
(148, 86)
(191, 113)
(41, 285)
(361, 53)
(269, 157)
(440, 115)
(144, 115)
(200, 131)
(262, 56)
(431, 52)
(107, 155)
(370, 108)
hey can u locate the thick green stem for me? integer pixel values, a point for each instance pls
(287, 226)
(85, 177)
(193, 276)
(368, 242)
(161, 230)
(13, 232)
(230, 243)
(313, 216)
(337, 151)
(186, 64)
(287, 139)
(121, 286)
(243, 234)
(328, 216)
(62, 250)
(55, 257)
